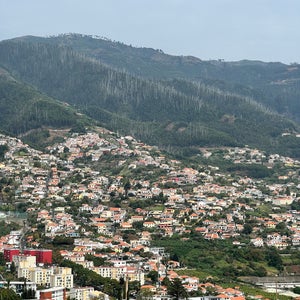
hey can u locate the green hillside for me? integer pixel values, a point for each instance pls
(273, 84)
(169, 113)
(23, 109)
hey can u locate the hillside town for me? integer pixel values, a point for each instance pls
(101, 201)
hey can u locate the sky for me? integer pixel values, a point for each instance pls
(267, 30)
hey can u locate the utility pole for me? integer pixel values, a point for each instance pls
(158, 268)
(126, 287)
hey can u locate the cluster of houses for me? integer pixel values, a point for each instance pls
(184, 200)
(34, 269)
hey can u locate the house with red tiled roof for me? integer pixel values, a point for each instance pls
(172, 274)
(136, 218)
(201, 229)
(222, 297)
(101, 227)
(126, 225)
(238, 298)
(149, 224)
(115, 209)
(211, 236)
(149, 287)
(194, 216)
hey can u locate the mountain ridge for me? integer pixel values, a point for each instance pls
(276, 83)
(172, 112)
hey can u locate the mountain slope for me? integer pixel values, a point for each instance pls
(166, 113)
(23, 109)
(151, 63)
(273, 84)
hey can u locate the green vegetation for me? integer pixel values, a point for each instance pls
(173, 113)
(98, 261)
(2, 260)
(86, 277)
(25, 110)
(253, 291)
(222, 259)
(276, 85)
(61, 240)
(22, 108)
(176, 289)
(28, 294)
(251, 170)
(8, 294)
(3, 150)
(296, 290)
(6, 228)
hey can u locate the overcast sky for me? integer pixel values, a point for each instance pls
(267, 30)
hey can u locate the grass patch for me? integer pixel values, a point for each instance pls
(194, 273)
(157, 207)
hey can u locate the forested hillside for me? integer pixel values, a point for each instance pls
(22, 108)
(170, 113)
(274, 84)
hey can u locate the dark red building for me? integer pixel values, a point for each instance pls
(43, 256)
(52, 294)
(9, 253)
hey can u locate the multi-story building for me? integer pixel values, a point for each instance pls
(133, 273)
(49, 277)
(19, 286)
(62, 277)
(43, 256)
(104, 271)
(41, 276)
(55, 293)
(24, 261)
(84, 293)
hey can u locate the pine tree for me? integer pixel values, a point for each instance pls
(177, 290)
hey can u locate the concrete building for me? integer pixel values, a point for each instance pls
(9, 253)
(56, 293)
(43, 256)
(49, 277)
(19, 286)
(24, 261)
(62, 277)
(133, 273)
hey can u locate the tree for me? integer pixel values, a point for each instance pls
(153, 275)
(273, 258)
(8, 294)
(247, 228)
(2, 260)
(295, 205)
(122, 288)
(166, 281)
(127, 187)
(174, 257)
(63, 240)
(145, 294)
(177, 290)
(28, 294)
(98, 261)
(138, 225)
(3, 150)
(13, 268)
(83, 276)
